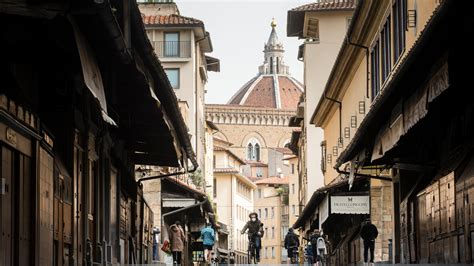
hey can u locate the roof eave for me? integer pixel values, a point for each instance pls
(352, 147)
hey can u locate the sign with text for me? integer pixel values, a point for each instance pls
(350, 204)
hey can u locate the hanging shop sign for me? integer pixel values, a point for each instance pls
(350, 204)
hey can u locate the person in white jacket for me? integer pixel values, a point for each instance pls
(321, 249)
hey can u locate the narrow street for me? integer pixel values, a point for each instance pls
(276, 132)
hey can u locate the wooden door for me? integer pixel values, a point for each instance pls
(58, 219)
(6, 214)
(25, 211)
(114, 217)
(78, 204)
(46, 190)
(67, 220)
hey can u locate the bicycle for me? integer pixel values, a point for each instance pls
(252, 250)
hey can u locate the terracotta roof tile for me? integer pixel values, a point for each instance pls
(273, 180)
(260, 92)
(328, 6)
(284, 150)
(226, 170)
(220, 148)
(171, 20)
(257, 164)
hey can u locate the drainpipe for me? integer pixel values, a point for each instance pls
(197, 136)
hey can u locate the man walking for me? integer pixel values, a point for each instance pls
(369, 233)
(292, 243)
(177, 240)
(208, 236)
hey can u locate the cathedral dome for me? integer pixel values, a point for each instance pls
(273, 87)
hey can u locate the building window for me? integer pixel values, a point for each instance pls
(273, 212)
(292, 168)
(273, 232)
(260, 213)
(259, 172)
(375, 69)
(266, 232)
(249, 151)
(273, 252)
(266, 213)
(253, 150)
(266, 253)
(173, 77)
(386, 39)
(259, 193)
(293, 188)
(257, 152)
(171, 47)
(399, 13)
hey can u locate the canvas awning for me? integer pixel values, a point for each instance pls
(91, 71)
(407, 113)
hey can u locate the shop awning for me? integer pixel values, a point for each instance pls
(91, 71)
(178, 202)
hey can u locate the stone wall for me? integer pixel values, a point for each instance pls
(381, 216)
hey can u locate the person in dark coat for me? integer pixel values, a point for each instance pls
(255, 232)
(292, 242)
(369, 233)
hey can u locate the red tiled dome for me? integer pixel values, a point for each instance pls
(270, 91)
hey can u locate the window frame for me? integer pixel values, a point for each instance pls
(165, 44)
(399, 16)
(178, 78)
(375, 68)
(386, 50)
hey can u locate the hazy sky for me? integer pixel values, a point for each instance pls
(239, 29)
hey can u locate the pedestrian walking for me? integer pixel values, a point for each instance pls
(369, 233)
(177, 240)
(321, 249)
(156, 241)
(309, 253)
(208, 238)
(292, 243)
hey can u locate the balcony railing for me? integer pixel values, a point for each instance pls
(172, 49)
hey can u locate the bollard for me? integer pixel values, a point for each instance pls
(390, 250)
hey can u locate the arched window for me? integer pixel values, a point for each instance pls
(257, 152)
(253, 150)
(250, 151)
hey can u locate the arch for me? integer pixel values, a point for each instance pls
(255, 135)
(221, 136)
(283, 141)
